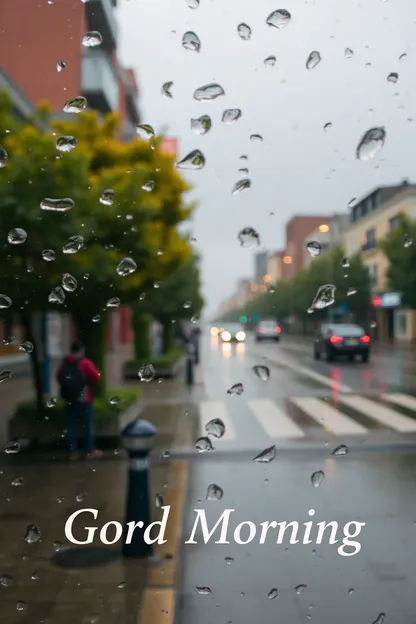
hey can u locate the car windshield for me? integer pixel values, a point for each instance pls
(347, 330)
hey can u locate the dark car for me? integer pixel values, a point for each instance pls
(332, 340)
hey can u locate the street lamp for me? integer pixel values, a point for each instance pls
(287, 259)
(324, 228)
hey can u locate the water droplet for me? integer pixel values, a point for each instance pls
(5, 302)
(313, 248)
(243, 157)
(371, 142)
(279, 18)
(241, 185)
(237, 389)
(244, 170)
(3, 157)
(266, 456)
(145, 132)
(348, 53)
(81, 497)
(244, 31)
(310, 310)
(351, 291)
(92, 39)
(73, 245)
(373, 324)
(324, 297)
(57, 545)
(114, 302)
(256, 137)
(208, 92)
(300, 588)
(393, 77)
(205, 591)
(248, 237)
(48, 255)
(270, 61)
(51, 402)
(313, 59)
(156, 285)
(148, 186)
(11, 448)
(66, 143)
(26, 346)
(57, 205)
(107, 197)
(345, 263)
(351, 591)
(214, 492)
(380, 618)
(146, 372)
(273, 593)
(403, 57)
(8, 341)
(126, 267)
(229, 560)
(21, 606)
(193, 161)
(6, 580)
(215, 427)
(201, 125)
(191, 41)
(159, 500)
(142, 296)
(166, 87)
(262, 372)
(352, 202)
(75, 105)
(408, 241)
(231, 115)
(317, 478)
(56, 295)
(114, 400)
(16, 236)
(69, 282)
(203, 444)
(32, 534)
(35, 576)
(60, 66)
(341, 449)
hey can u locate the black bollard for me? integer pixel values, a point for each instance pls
(138, 437)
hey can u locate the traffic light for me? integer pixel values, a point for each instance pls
(243, 319)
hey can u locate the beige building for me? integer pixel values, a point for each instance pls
(372, 218)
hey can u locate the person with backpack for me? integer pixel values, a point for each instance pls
(77, 377)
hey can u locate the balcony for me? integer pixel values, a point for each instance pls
(101, 16)
(131, 94)
(99, 81)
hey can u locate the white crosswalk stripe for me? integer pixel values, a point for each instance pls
(404, 400)
(273, 420)
(380, 413)
(329, 417)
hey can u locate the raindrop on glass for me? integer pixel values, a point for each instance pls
(66, 143)
(49, 255)
(205, 591)
(208, 92)
(18, 482)
(351, 591)
(270, 61)
(248, 237)
(60, 66)
(81, 497)
(187, 305)
(56, 295)
(92, 39)
(403, 57)
(300, 588)
(324, 297)
(237, 389)
(203, 444)
(191, 41)
(279, 18)
(351, 291)
(273, 593)
(215, 427)
(380, 618)
(317, 478)
(11, 448)
(16, 236)
(313, 59)
(21, 606)
(266, 456)
(3, 157)
(229, 560)
(148, 186)
(32, 534)
(114, 400)
(57, 546)
(262, 372)
(145, 131)
(371, 142)
(348, 53)
(146, 372)
(393, 77)
(75, 105)
(313, 248)
(231, 115)
(241, 185)
(352, 202)
(201, 125)
(193, 161)
(328, 126)
(244, 31)
(5, 302)
(256, 138)
(57, 205)
(69, 283)
(159, 500)
(244, 170)
(107, 197)
(126, 267)
(26, 346)
(214, 492)
(341, 449)
(114, 302)
(73, 245)
(345, 263)
(121, 585)
(156, 285)
(408, 241)
(166, 87)
(6, 580)
(51, 402)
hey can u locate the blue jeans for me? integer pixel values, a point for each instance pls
(76, 412)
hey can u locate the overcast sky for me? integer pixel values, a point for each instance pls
(299, 168)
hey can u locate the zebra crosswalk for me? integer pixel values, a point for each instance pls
(300, 418)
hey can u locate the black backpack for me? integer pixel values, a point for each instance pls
(72, 381)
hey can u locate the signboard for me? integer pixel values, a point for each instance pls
(387, 300)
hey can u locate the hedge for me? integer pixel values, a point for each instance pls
(104, 411)
(157, 361)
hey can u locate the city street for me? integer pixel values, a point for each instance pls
(306, 410)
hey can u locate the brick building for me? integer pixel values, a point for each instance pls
(297, 229)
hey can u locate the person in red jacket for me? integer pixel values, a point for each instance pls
(77, 377)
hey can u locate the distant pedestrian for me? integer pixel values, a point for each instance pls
(77, 376)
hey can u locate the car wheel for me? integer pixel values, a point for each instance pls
(316, 355)
(329, 355)
(365, 357)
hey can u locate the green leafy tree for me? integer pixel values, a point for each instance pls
(401, 254)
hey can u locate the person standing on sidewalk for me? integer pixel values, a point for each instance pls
(77, 377)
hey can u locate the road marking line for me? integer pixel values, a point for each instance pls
(329, 417)
(381, 414)
(274, 421)
(404, 400)
(216, 409)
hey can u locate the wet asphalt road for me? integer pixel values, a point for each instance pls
(374, 483)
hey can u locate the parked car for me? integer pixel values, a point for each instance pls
(332, 340)
(268, 330)
(233, 332)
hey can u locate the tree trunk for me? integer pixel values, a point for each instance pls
(168, 333)
(94, 338)
(141, 329)
(35, 363)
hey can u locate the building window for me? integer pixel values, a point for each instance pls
(373, 274)
(370, 239)
(394, 222)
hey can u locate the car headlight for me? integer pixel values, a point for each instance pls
(214, 331)
(226, 336)
(240, 336)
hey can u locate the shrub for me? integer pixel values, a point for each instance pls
(166, 359)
